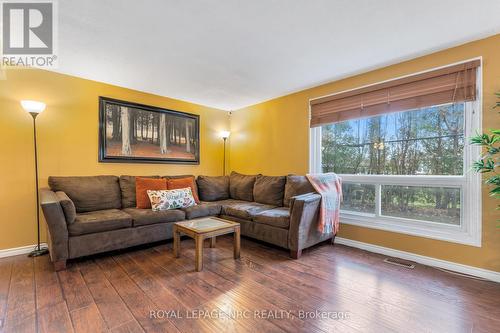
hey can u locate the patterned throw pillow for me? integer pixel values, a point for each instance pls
(176, 183)
(171, 199)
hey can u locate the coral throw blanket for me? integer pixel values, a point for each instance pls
(329, 186)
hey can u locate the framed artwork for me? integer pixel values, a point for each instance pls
(136, 133)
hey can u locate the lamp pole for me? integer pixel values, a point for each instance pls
(38, 251)
(224, 135)
(224, 159)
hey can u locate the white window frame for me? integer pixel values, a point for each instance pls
(469, 230)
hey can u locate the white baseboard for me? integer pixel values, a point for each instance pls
(15, 251)
(428, 261)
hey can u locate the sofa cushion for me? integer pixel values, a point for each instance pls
(143, 217)
(99, 221)
(213, 188)
(143, 185)
(245, 210)
(68, 206)
(296, 185)
(89, 193)
(241, 186)
(228, 202)
(202, 210)
(127, 187)
(147, 216)
(277, 217)
(269, 190)
(178, 183)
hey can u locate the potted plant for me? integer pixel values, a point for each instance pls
(489, 161)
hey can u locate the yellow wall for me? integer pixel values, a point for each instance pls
(273, 138)
(67, 137)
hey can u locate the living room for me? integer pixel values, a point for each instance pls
(296, 166)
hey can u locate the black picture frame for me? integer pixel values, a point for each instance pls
(109, 143)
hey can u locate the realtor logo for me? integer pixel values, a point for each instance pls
(28, 34)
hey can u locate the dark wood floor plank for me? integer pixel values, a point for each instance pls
(306, 302)
(405, 294)
(411, 287)
(330, 292)
(48, 288)
(178, 279)
(88, 319)
(213, 293)
(117, 292)
(361, 303)
(161, 298)
(54, 318)
(21, 304)
(176, 285)
(218, 257)
(241, 290)
(160, 265)
(129, 327)
(167, 291)
(114, 312)
(438, 285)
(5, 278)
(53, 313)
(76, 293)
(139, 304)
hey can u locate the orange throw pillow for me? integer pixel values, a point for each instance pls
(177, 183)
(144, 184)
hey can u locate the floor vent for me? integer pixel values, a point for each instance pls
(399, 262)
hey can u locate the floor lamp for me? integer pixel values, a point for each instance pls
(34, 108)
(224, 135)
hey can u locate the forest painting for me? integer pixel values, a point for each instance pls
(131, 132)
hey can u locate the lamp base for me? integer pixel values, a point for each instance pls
(38, 252)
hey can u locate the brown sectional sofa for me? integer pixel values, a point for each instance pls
(88, 215)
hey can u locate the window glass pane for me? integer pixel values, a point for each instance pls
(427, 141)
(358, 198)
(436, 204)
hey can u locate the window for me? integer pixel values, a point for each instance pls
(406, 170)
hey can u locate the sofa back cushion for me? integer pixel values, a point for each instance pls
(213, 188)
(187, 182)
(269, 190)
(89, 193)
(127, 187)
(241, 186)
(296, 185)
(142, 185)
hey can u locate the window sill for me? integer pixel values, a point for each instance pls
(437, 231)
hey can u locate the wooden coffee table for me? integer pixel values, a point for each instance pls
(201, 229)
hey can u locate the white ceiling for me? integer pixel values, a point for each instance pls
(233, 53)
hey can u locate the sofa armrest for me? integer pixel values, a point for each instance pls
(56, 223)
(304, 212)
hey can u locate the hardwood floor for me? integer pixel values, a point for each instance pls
(329, 289)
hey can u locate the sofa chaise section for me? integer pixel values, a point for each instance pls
(286, 214)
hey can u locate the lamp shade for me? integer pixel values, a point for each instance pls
(225, 134)
(33, 106)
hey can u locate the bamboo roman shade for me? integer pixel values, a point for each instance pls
(455, 83)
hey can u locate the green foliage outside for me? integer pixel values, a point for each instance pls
(426, 141)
